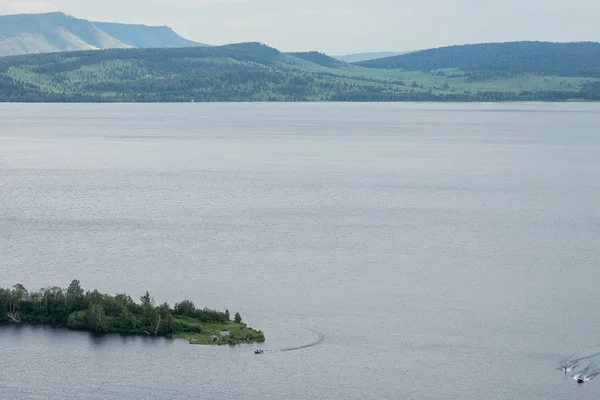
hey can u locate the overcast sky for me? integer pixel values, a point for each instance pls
(344, 26)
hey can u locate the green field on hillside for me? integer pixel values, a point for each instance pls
(255, 72)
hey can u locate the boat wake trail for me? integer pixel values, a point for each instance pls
(320, 338)
(570, 364)
(574, 364)
(588, 373)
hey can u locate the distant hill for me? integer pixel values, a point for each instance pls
(256, 72)
(564, 59)
(319, 59)
(55, 32)
(143, 36)
(357, 57)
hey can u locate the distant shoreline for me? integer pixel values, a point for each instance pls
(311, 102)
(250, 72)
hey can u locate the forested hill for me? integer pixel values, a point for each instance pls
(564, 59)
(168, 58)
(358, 57)
(319, 59)
(256, 72)
(55, 32)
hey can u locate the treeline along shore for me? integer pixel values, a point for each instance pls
(247, 72)
(78, 309)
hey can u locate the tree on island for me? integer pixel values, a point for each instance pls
(145, 299)
(75, 296)
(237, 318)
(186, 307)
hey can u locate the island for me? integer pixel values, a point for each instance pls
(77, 309)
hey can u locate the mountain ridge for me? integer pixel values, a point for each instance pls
(22, 34)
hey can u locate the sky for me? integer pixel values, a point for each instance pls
(344, 26)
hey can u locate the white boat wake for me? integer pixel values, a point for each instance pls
(588, 373)
(574, 361)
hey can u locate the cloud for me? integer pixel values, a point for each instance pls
(26, 6)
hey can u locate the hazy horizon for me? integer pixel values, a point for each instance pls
(342, 27)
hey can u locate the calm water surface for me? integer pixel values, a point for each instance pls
(427, 251)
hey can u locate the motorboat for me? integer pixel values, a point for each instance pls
(260, 351)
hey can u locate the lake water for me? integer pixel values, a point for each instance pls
(423, 251)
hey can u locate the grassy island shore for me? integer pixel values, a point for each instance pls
(237, 333)
(77, 309)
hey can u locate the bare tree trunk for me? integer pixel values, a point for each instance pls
(14, 317)
(157, 325)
